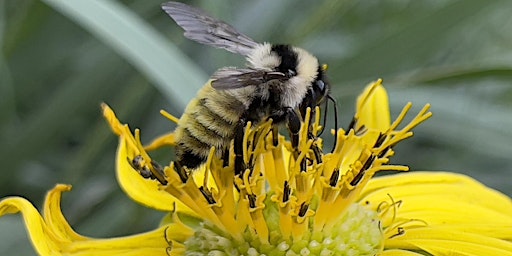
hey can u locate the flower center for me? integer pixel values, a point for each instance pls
(357, 232)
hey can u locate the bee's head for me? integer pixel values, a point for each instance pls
(320, 87)
(317, 92)
(306, 84)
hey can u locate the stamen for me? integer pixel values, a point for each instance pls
(180, 170)
(333, 181)
(286, 192)
(170, 244)
(207, 195)
(352, 124)
(303, 209)
(169, 116)
(252, 200)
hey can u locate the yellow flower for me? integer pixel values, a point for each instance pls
(293, 202)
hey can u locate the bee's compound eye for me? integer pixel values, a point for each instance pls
(320, 85)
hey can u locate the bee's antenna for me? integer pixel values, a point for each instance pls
(335, 120)
(326, 107)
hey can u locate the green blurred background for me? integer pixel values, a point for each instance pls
(60, 59)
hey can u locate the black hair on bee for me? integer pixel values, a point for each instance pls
(280, 82)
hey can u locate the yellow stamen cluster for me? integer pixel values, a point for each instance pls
(309, 191)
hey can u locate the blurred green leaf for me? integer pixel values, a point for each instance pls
(139, 43)
(454, 54)
(410, 45)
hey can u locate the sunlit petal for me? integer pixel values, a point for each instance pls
(372, 108)
(42, 236)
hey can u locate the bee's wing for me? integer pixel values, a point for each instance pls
(232, 78)
(204, 29)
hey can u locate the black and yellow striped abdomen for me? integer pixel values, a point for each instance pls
(209, 121)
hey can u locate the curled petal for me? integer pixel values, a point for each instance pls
(42, 236)
(52, 235)
(53, 215)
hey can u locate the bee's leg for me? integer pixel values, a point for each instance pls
(293, 122)
(238, 142)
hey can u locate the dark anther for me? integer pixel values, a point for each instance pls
(333, 181)
(181, 172)
(275, 135)
(207, 195)
(252, 200)
(316, 150)
(361, 173)
(368, 162)
(361, 130)
(158, 167)
(303, 165)
(303, 209)
(286, 192)
(384, 152)
(352, 124)
(318, 153)
(358, 177)
(380, 140)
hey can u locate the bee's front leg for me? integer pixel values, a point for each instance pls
(293, 121)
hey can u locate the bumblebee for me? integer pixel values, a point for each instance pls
(280, 82)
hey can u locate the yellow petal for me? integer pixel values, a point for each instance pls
(398, 252)
(53, 215)
(434, 186)
(143, 191)
(445, 241)
(457, 215)
(55, 236)
(156, 242)
(372, 108)
(44, 240)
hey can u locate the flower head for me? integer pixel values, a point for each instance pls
(293, 201)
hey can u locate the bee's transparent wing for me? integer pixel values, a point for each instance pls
(204, 29)
(232, 78)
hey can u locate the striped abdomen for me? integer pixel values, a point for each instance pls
(209, 121)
